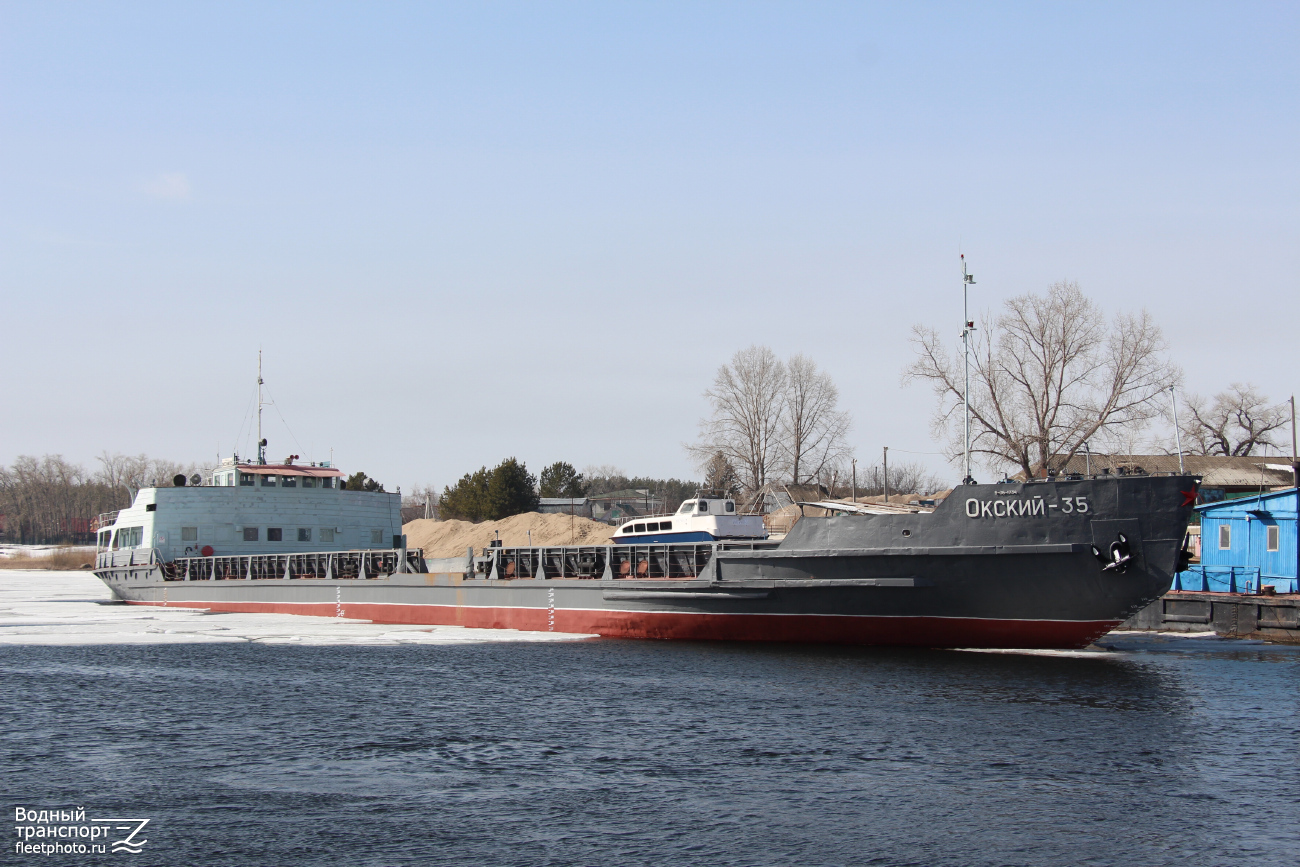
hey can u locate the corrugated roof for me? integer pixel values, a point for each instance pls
(1242, 503)
(288, 470)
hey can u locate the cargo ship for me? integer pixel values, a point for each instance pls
(1051, 563)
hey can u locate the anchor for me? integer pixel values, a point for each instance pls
(1118, 557)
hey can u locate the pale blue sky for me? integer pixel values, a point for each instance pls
(469, 231)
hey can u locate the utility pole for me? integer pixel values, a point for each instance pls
(855, 476)
(967, 280)
(886, 475)
(1295, 462)
(1087, 459)
(1178, 436)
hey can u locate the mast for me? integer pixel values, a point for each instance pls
(967, 280)
(261, 443)
(1178, 437)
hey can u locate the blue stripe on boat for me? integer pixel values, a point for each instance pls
(651, 538)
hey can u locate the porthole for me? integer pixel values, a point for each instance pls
(907, 532)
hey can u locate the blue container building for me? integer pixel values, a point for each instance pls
(1246, 543)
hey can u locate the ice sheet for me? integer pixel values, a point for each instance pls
(42, 550)
(68, 608)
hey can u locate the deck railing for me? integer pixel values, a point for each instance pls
(680, 560)
(103, 521)
(321, 565)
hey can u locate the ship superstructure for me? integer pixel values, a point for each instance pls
(247, 511)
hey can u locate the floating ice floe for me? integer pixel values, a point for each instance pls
(67, 608)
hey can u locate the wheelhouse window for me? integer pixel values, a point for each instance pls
(304, 534)
(189, 534)
(1273, 537)
(327, 483)
(704, 506)
(1225, 537)
(275, 534)
(687, 507)
(250, 534)
(289, 482)
(268, 481)
(128, 537)
(327, 535)
(308, 482)
(376, 537)
(245, 480)
(731, 507)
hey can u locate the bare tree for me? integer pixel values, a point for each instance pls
(420, 502)
(123, 472)
(905, 477)
(747, 400)
(1047, 375)
(813, 429)
(1235, 422)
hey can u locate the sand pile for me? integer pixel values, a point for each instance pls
(451, 538)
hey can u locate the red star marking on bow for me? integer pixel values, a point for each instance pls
(1189, 497)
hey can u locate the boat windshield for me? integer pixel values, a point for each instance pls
(687, 506)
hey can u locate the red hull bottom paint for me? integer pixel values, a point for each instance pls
(801, 628)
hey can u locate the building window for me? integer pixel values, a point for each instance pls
(1225, 537)
(304, 534)
(289, 482)
(268, 481)
(250, 534)
(245, 480)
(189, 534)
(1272, 537)
(327, 535)
(274, 534)
(376, 537)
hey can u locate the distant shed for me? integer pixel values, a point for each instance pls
(579, 506)
(1245, 543)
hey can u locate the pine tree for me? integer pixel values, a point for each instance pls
(560, 479)
(511, 490)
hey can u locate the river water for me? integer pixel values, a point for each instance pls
(602, 752)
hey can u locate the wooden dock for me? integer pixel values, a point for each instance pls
(1232, 615)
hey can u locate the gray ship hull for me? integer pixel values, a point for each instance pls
(993, 566)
